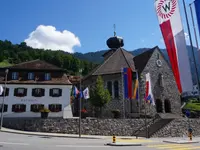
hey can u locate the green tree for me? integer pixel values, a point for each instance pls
(99, 95)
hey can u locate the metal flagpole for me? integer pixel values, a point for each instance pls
(123, 99)
(138, 92)
(195, 35)
(4, 94)
(80, 108)
(188, 26)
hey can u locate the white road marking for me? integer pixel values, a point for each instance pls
(11, 143)
(80, 146)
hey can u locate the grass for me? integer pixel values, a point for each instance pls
(5, 63)
(192, 106)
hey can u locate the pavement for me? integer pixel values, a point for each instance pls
(19, 141)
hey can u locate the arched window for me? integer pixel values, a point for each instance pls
(116, 89)
(109, 87)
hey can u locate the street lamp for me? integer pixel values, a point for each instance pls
(4, 94)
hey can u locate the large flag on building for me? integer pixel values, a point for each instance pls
(149, 98)
(136, 88)
(197, 8)
(127, 76)
(173, 34)
(1, 90)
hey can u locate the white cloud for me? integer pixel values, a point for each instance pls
(47, 37)
(186, 36)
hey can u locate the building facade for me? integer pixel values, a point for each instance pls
(33, 85)
(165, 91)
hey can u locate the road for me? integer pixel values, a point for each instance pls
(9, 141)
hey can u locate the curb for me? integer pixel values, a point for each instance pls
(181, 142)
(61, 136)
(123, 144)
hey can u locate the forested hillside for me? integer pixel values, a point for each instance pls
(17, 53)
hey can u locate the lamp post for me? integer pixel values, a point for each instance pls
(4, 94)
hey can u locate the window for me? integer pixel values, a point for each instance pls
(116, 89)
(38, 92)
(161, 78)
(36, 107)
(109, 87)
(5, 108)
(47, 76)
(20, 92)
(55, 92)
(15, 76)
(18, 108)
(55, 107)
(7, 92)
(30, 76)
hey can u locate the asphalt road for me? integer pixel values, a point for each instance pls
(10, 141)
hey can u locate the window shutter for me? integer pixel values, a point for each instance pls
(25, 92)
(7, 91)
(51, 92)
(15, 91)
(60, 92)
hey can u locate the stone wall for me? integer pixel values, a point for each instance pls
(108, 127)
(179, 128)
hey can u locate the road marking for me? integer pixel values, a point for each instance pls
(80, 146)
(174, 146)
(11, 143)
(134, 140)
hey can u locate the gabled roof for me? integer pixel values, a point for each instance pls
(114, 64)
(35, 65)
(142, 59)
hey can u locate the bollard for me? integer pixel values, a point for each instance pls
(190, 134)
(114, 139)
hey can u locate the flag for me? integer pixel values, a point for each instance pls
(80, 94)
(86, 94)
(74, 91)
(173, 34)
(197, 8)
(148, 92)
(130, 88)
(1, 90)
(125, 77)
(136, 88)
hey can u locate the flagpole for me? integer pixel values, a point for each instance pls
(123, 94)
(80, 108)
(188, 26)
(138, 92)
(195, 35)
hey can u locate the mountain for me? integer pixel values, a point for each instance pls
(96, 57)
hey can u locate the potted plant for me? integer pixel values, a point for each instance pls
(44, 113)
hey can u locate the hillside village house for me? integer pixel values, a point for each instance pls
(35, 84)
(164, 87)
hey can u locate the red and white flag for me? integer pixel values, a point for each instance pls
(173, 34)
(149, 98)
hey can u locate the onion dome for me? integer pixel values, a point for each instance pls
(115, 42)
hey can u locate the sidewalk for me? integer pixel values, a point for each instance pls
(62, 135)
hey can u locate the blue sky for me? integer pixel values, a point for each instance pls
(89, 20)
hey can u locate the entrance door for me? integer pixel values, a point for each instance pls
(159, 105)
(167, 106)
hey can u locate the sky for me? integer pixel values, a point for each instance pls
(83, 25)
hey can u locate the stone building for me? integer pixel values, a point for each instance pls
(164, 87)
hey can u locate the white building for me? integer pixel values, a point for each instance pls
(33, 85)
